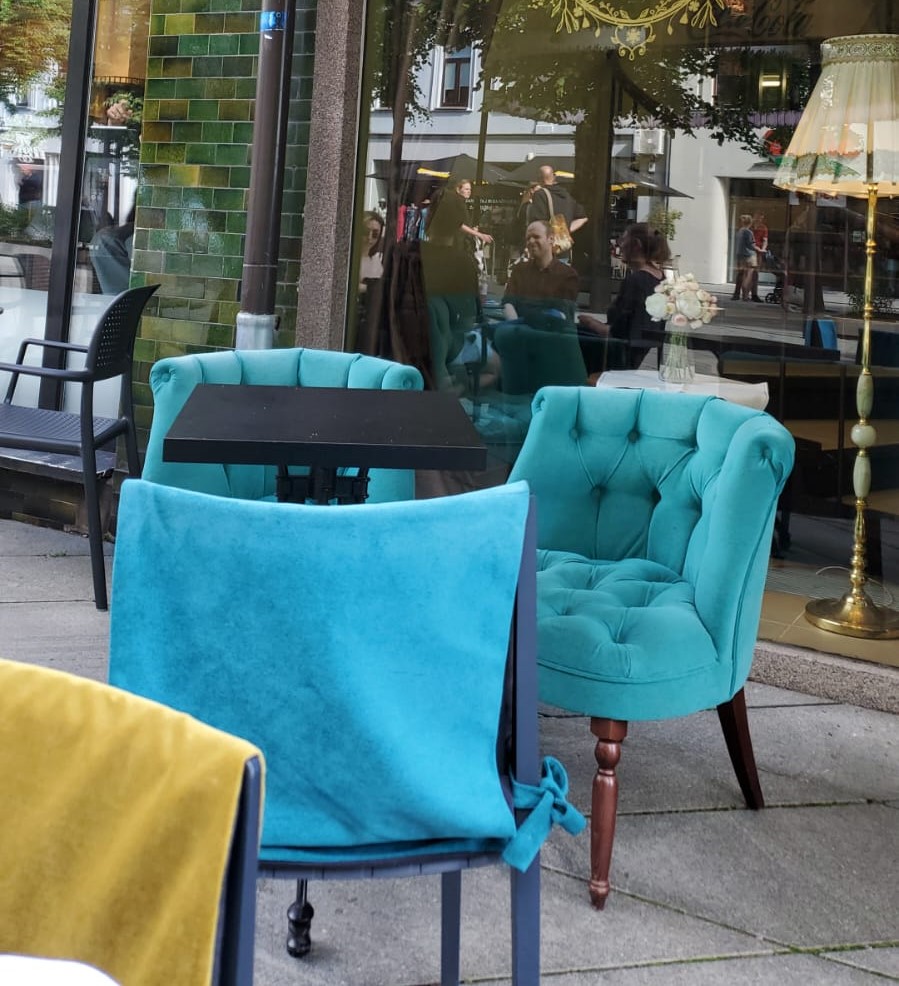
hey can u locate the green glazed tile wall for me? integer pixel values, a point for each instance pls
(195, 172)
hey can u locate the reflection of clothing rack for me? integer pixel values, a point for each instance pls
(411, 222)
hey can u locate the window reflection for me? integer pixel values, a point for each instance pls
(643, 146)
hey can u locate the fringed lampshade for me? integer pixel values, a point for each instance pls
(848, 137)
(847, 143)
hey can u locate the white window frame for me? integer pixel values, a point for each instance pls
(437, 78)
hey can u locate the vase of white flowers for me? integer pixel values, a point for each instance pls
(682, 304)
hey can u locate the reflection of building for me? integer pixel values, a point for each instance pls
(711, 183)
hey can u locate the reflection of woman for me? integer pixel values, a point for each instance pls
(746, 258)
(644, 250)
(371, 265)
(449, 225)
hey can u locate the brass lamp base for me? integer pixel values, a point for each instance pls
(854, 616)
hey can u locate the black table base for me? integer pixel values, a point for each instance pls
(322, 485)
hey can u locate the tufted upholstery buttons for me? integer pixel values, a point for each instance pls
(633, 435)
(574, 434)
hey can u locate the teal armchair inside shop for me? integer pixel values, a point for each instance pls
(655, 514)
(172, 381)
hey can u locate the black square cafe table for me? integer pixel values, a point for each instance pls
(325, 429)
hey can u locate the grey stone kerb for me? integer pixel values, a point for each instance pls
(331, 177)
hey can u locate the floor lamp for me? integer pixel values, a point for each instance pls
(847, 143)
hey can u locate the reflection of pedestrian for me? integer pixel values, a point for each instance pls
(371, 265)
(110, 251)
(644, 250)
(31, 184)
(450, 223)
(746, 259)
(31, 192)
(550, 199)
(760, 235)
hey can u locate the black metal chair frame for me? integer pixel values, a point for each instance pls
(108, 354)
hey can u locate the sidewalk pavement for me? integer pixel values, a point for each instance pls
(705, 891)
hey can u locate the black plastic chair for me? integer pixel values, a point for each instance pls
(109, 354)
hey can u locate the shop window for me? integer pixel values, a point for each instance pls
(675, 125)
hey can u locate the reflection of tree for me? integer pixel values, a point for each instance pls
(401, 35)
(533, 70)
(35, 38)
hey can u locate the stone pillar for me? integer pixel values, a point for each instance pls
(331, 176)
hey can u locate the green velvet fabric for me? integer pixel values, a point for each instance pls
(173, 379)
(362, 648)
(655, 515)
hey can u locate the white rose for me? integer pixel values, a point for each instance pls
(679, 321)
(688, 304)
(703, 295)
(657, 306)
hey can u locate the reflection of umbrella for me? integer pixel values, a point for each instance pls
(456, 166)
(623, 177)
(530, 170)
(437, 169)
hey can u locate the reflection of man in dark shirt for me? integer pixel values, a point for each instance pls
(541, 290)
(550, 192)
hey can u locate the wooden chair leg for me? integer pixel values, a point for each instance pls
(609, 735)
(735, 726)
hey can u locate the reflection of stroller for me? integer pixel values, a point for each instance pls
(776, 295)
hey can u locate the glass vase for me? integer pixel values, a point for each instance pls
(676, 365)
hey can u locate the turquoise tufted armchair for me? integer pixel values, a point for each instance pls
(655, 514)
(173, 379)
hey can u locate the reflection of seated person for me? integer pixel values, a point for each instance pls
(110, 251)
(541, 291)
(538, 343)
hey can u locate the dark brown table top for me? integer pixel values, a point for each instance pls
(327, 427)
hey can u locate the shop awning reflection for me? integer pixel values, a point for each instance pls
(622, 177)
(443, 168)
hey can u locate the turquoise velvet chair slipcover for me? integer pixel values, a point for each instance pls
(172, 381)
(655, 516)
(365, 649)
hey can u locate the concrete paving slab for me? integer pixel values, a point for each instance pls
(806, 753)
(882, 960)
(48, 578)
(804, 877)
(18, 539)
(68, 636)
(775, 970)
(386, 932)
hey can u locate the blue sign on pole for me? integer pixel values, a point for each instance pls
(271, 20)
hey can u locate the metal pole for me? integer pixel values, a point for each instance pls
(256, 319)
(68, 195)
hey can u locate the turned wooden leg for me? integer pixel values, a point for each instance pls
(609, 734)
(735, 726)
